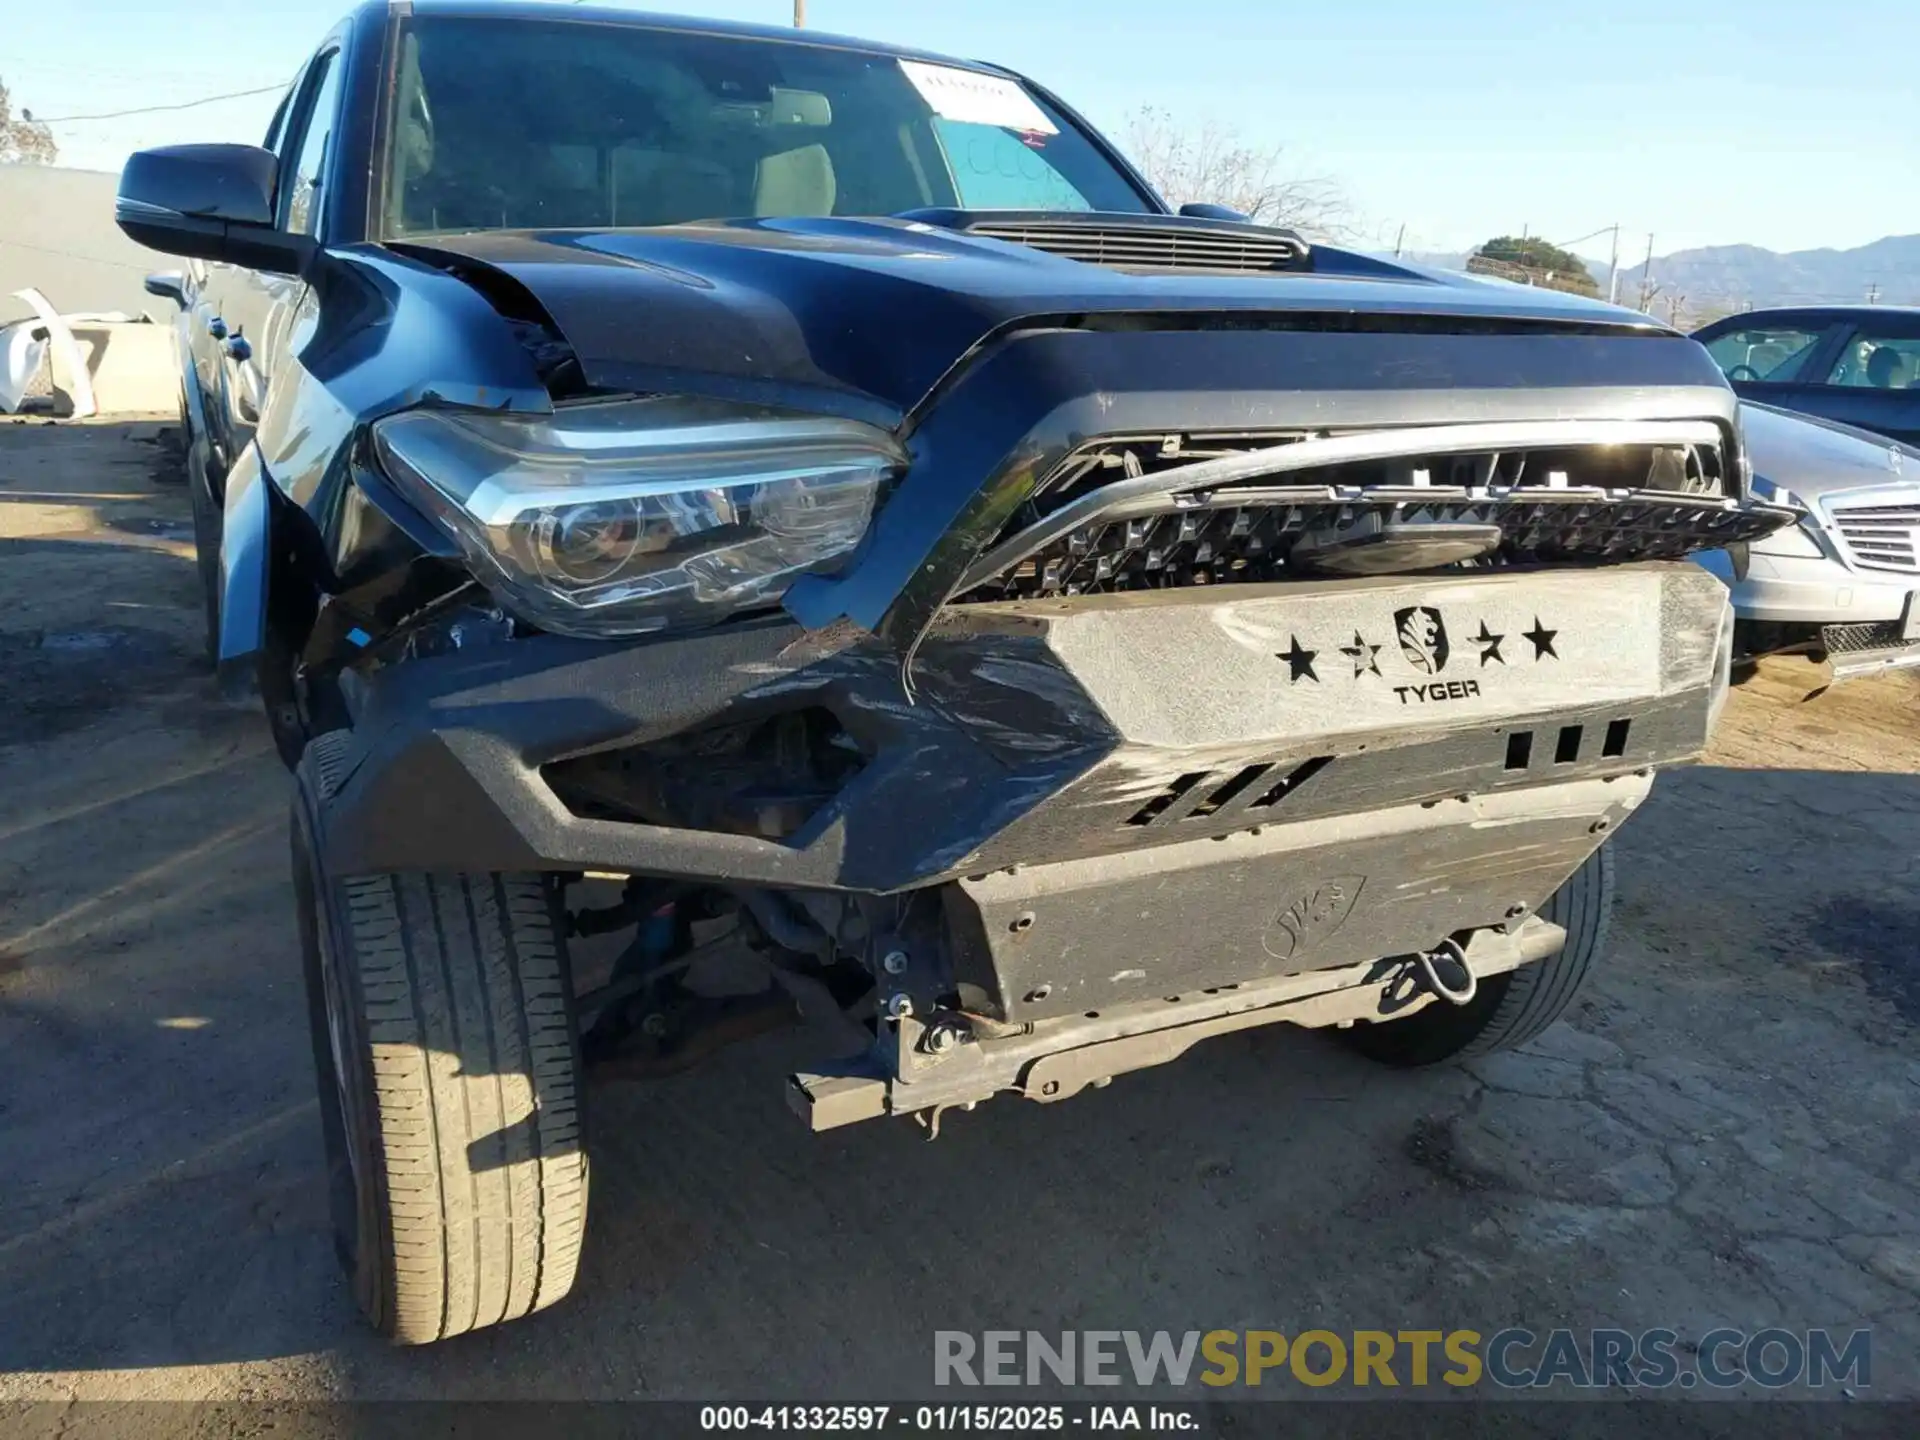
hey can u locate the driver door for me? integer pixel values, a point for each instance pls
(256, 308)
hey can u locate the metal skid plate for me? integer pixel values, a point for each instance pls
(1041, 941)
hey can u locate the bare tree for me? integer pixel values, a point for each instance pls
(24, 141)
(1216, 165)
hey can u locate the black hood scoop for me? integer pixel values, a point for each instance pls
(1138, 242)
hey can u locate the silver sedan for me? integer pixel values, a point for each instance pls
(1843, 580)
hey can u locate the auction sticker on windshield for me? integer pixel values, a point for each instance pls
(978, 99)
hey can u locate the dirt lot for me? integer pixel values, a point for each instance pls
(1724, 1134)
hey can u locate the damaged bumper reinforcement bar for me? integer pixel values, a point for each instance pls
(1055, 1061)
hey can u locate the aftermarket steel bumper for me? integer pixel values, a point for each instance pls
(1052, 732)
(1122, 809)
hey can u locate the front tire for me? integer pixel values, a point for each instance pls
(1511, 1008)
(449, 1077)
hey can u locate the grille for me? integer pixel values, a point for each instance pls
(1881, 537)
(1157, 247)
(1097, 523)
(1252, 543)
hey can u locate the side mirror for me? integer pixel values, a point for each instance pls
(168, 285)
(1200, 211)
(210, 201)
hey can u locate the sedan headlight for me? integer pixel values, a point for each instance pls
(1791, 542)
(1794, 542)
(626, 516)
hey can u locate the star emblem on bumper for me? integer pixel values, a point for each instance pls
(1299, 661)
(1363, 655)
(1489, 644)
(1542, 639)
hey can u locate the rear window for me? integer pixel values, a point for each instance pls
(575, 124)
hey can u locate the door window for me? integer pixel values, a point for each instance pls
(1762, 353)
(276, 127)
(305, 173)
(1878, 362)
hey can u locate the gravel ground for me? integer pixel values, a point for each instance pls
(1723, 1133)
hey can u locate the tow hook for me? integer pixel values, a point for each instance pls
(1447, 974)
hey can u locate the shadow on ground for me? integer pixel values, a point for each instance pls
(1269, 1180)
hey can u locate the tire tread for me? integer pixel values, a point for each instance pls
(1513, 1007)
(480, 1158)
(1538, 994)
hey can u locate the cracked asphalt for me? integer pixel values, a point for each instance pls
(1722, 1134)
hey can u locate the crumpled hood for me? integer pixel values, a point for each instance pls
(864, 317)
(1812, 456)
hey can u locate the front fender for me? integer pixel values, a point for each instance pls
(193, 400)
(245, 550)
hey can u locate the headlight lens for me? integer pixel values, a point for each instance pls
(634, 515)
(1797, 541)
(1791, 542)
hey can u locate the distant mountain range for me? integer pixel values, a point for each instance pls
(1732, 275)
(1720, 278)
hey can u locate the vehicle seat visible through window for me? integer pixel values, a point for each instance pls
(1885, 368)
(662, 187)
(795, 182)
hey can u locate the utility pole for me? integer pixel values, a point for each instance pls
(1613, 268)
(1399, 239)
(1646, 279)
(799, 14)
(1873, 292)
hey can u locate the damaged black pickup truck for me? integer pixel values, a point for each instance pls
(818, 500)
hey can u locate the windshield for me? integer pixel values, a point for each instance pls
(544, 124)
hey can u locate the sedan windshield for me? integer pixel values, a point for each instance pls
(578, 123)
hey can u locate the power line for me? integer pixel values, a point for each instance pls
(156, 109)
(70, 254)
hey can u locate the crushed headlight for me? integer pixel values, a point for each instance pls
(626, 516)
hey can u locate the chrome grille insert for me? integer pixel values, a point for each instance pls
(1881, 537)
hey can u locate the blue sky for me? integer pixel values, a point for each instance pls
(1702, 121)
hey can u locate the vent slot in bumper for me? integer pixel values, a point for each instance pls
(1207, 795)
